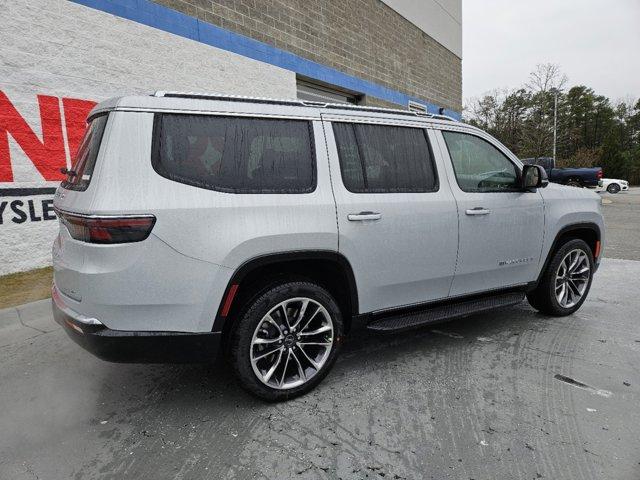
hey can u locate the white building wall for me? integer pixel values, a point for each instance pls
(64, 50)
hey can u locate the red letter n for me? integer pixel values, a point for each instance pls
(48, 155)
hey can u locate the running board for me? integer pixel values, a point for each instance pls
(438, 313)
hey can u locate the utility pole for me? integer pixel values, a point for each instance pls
(555, 123)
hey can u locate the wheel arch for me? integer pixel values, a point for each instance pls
(587, 231)
(330, 269)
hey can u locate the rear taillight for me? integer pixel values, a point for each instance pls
(599, 174)
(107, 229)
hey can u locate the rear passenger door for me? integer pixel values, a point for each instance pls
(397, 220)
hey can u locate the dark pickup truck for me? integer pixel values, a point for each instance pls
(575, 177)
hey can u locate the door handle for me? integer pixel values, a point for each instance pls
(478, 211)
(362, 216)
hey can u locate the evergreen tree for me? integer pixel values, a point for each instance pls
(590, 130)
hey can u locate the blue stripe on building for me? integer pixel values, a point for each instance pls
(168, 20)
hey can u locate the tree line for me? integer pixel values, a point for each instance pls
(591, 130)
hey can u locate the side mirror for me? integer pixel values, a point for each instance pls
(534, 176)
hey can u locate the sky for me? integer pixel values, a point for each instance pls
(595, 42)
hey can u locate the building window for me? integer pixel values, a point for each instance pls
(315, 92)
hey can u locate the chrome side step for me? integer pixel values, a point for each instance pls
(440, 312)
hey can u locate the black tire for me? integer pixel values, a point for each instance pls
(252, 315)
(574, 182)
(613, 188)
(543, 298)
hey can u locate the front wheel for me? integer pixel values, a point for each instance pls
(613, 188)
(566, 281)
(286, 341)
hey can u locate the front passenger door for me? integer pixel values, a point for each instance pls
(501, 226)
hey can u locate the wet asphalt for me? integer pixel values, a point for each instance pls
(509, 394)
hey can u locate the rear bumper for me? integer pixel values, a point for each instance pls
(134, 347)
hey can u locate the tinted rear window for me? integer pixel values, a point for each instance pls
(235, 154)
(84, 160)
(384, 158)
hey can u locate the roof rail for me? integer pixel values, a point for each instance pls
(305, 103)
(228, 98)
(395, 111)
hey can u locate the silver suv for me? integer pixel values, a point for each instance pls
(192, 225)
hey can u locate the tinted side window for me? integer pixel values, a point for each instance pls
(478, 165)
(84, 160)
(234, 154)
(384, 158)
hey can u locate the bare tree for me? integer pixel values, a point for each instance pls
(485, 110)
(546, 77)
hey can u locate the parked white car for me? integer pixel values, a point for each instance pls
(613, 185)
(268, 230)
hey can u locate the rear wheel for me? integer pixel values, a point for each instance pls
(574, 182)
(566, 281)
(287, 340)
(613, 188)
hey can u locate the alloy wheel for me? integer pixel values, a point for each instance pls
(572, 278)
(291, 343)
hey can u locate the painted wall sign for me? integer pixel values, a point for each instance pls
(48, 143)
(62, 120)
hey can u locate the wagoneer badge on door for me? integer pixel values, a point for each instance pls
(515, 261)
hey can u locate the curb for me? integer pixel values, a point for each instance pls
(34, 315)
(9, 316)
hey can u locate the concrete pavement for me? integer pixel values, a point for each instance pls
(474, 398)
(622, 219)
